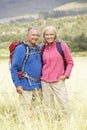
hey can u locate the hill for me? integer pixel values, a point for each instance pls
(71, 5)
(70, 29)
(14, 8)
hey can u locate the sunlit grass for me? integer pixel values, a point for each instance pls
(41, 117)
(80, 54)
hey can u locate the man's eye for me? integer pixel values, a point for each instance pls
(47, 34)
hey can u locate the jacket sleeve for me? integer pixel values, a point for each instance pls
(68, 58)
(16, 64)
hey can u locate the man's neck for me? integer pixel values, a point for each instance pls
(31, 44)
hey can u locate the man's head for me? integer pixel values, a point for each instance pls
(32, 35)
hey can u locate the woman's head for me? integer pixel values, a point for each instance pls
(49, 34)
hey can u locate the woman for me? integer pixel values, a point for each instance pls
(54, 73)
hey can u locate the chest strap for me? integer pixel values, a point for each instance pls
(29, 77)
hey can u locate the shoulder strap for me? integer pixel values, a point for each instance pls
(58, 45)
(26, 56)
(42, 49)
(60, 50)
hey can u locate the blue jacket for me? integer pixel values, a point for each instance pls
(33, 67)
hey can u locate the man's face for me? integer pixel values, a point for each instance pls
(49, 36)
(33, 36)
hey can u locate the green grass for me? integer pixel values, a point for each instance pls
(80, 54)
(75, 34)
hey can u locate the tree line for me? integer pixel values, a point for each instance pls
(72, 30)
(62, 13)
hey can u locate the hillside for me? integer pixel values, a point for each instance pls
(71, 5)
(14, 8)
(75, 34)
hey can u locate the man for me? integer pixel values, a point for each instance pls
(29, 85)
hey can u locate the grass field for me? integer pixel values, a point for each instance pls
(41, 119)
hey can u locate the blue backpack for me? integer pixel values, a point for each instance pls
(59, 48)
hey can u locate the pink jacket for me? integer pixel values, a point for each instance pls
(53, 65)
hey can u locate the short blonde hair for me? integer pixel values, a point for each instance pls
(50, 27)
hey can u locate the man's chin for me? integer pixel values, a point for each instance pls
(33, 44)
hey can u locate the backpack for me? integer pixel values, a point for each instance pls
(21, 73)
(12, 48)
(60, 50)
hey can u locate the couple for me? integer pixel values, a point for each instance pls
(46, 73)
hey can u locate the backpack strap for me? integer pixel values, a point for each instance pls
(41, 51)
(27, 49)
(60, 50)
(41, 48)
(21, 73)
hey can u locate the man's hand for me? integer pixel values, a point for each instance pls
(19, 89)
(63, 77)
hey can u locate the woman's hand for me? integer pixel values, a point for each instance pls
(63, 77)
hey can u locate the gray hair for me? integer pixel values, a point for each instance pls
(48, 28)
(32, 28)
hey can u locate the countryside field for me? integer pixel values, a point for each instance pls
(72, 30)
(41, 119)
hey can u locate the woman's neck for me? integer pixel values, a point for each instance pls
(49, 44)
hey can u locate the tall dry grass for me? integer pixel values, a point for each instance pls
(40, 117)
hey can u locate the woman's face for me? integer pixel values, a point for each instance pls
(49, 36)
